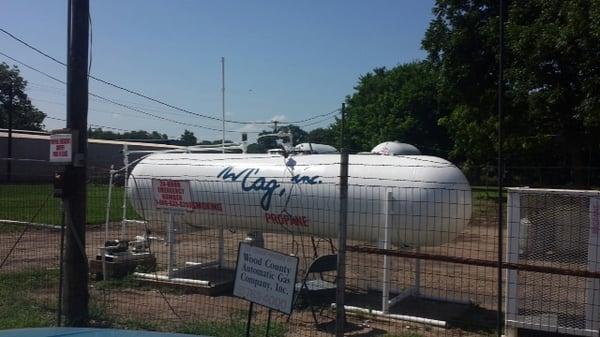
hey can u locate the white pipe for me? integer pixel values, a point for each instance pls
(103, 249)
(125, 166)
(33, 224)
(157, 277)
(110, 180)
(407, 318)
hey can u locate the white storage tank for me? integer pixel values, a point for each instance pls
(431, 198)
(395, 149)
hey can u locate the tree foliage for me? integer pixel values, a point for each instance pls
(396, 104)
(322, 136)
(13, 96)
(188, 138)
(99, 133)
(552, 75)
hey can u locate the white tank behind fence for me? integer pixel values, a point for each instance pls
(431, 198)
(395, 149)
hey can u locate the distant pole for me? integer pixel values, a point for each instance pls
(75, 287)
(9, 109)
(340, 311)
(500, 167)
(223, 98)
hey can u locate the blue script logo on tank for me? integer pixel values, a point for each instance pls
(250, 180)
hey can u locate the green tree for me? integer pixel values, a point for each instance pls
(13, 97)
(397, 104)
(188, 138)
(552, 74)
(461, 42)
(99, 133)
(322, 136)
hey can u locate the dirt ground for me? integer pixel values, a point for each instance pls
(466, 294)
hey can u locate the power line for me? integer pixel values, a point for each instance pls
(155, 100)
(121, 104)
(91, 124)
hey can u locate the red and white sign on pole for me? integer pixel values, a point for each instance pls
(61, 148)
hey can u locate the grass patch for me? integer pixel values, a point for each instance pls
(21, 201)
(234, 327)
(486, 193)
(127, 282)
(18, 307)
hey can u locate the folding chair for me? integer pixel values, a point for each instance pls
(318, 291)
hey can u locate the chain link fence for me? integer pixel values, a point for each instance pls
(422, 253)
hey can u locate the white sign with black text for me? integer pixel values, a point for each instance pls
(265, 277)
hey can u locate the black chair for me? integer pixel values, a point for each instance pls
(318, 291)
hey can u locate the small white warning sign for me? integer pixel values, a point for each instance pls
(61, 148)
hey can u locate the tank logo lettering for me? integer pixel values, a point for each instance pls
(251, 181)
(285, 219)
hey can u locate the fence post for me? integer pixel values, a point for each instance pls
(340, 312)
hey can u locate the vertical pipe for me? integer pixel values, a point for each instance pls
(221, 257)
(500, 166)
(108, 202)
(340, 312)
(171, 245)
(125, 189)
(268, 323)
(385, 297)
(9, 108)
(75, 287)
(223, 99)
(61, 267)
(417, 288)
(249, 319)
(221, 243)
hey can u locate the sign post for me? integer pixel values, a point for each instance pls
(265, 277)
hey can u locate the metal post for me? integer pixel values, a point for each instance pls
(340, 312)
(249, 319)
(9, 108)
(417, 287)
(385, 297)
(268, 323)
(221, 243)
(103, 250)
(125, 189)
(223, 99)
(61, 268)
(171, 245)
(592, 288)
(500, 168)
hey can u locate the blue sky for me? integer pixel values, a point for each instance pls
(287, 60)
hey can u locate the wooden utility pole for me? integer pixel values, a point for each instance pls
(75, 286)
